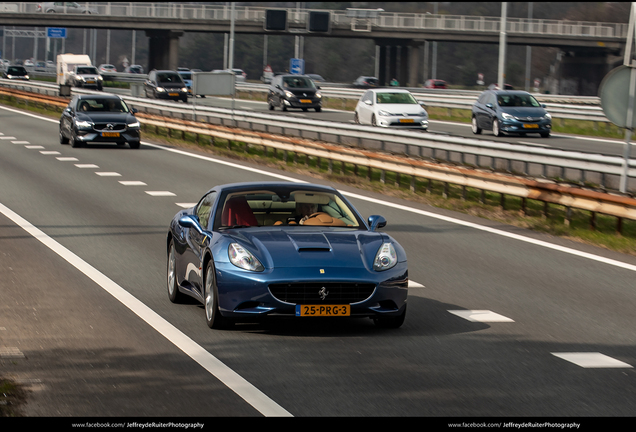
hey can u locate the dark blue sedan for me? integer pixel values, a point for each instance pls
(248, 251)
(506, 111)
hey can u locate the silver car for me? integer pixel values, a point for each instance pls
(390, 108)
(65, 7)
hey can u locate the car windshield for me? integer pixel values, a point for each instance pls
(517, 100)
(298, 82)
(185, 75)
(395, 98)
(87, 70)
(102, 105)
(284, 208)
(169, 78)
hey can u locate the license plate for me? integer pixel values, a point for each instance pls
(406, 120)
(110, 134)
(531, 126)
(173, 94)
(305, 101)
(323, 310)
(90, 82)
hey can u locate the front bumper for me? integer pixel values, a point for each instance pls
(303, 103)
(172, 95)
(416, 122)
(247, 295)
(128, 135)
(516, 126)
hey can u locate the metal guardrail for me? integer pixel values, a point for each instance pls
(525, 160)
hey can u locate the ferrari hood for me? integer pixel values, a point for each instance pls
(301, 247)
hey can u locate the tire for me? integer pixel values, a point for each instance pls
(356, 119)
(63, 140)
(134, 144)
(213, 317)
(174, 294)
(476, 129)
(495, 128)
(75, 143)
(373, 120)
(390, 322)
(318, 109)
(185, 100)
(271, 107)
(282, 106)
(545, 135)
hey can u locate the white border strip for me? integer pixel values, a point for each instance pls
(227, 376)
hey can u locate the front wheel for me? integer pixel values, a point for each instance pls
(63, 140)
(318, 109)
(174, 294)
(213, 317)
(476, 129)
(495, 128)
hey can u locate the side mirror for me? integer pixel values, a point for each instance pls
(191, 221)
(543, 106)
(134, 110)
(368, 102)
(489, 105)
(422, 104)
(376, 222)
(318, 87)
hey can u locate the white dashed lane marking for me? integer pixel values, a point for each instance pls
(132, 183)
(20, 142)
(480, 316)
(592, 360)
(108, 174)
(86, 166)
(50, 152)
(7, 138)
(160, 193)
(186, 205)
(67, 159)
(34, 147)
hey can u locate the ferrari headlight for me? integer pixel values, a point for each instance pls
(385, 258)
(242, 258)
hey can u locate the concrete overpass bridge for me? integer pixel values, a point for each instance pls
(399, 36)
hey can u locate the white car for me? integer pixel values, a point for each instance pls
(388, 107)
(107, 68)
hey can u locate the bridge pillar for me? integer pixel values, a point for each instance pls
(163, 49)
(382, 65)
(580, 71)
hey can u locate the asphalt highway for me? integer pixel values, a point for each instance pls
(501, 321)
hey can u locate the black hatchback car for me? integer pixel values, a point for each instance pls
(16, 73)
(294, 91)
(99, 118)
(510, 111)
(166, 84)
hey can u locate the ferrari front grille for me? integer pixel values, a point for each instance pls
(322, 293)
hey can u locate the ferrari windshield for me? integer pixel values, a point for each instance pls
(284, 207)
(395, 98)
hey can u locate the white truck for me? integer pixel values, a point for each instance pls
(76, 70)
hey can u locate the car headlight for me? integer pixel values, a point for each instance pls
(424, 114)
(100, 78)
(506, 116)
(80, 78)
(26, 77)
(242, 258)
(133, 125)
(83, 124)
(161, 89)
(547, 116)
(184, 89)
(384, 113)
(289, 94)
(318, 95)
(385, 258)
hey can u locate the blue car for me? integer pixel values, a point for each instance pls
(248, 251)
(510, 111)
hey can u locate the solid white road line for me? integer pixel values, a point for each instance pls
(227, 376)
(480, 316)
(592, 360)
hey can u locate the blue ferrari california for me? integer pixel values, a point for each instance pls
(248, 251)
